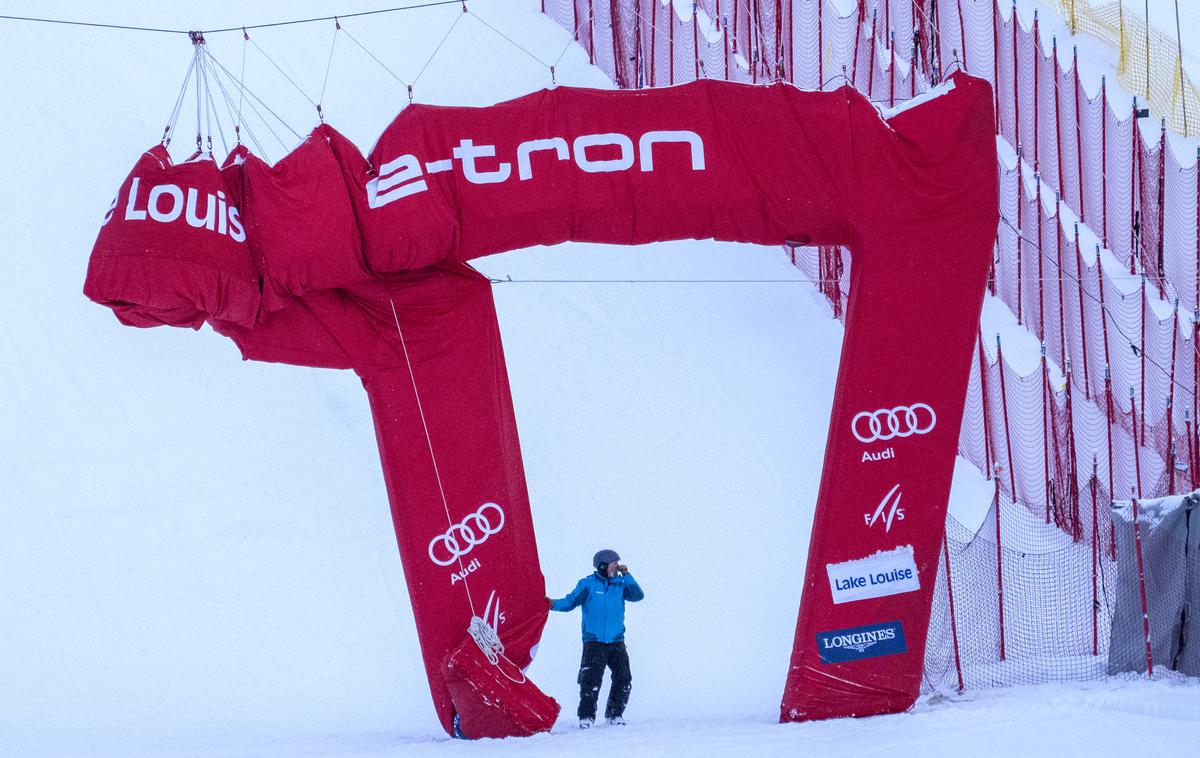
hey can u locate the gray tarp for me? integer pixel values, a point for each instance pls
(1170, 540)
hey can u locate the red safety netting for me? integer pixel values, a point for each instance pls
(1096, 255)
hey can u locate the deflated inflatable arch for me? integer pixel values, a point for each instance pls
(327, 259)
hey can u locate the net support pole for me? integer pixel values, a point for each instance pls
(1146, 34)
(730, 45)
(1137, 449)
(871, 57)
(1040, 247)
(791, 45)
(962, 37)
(1064, 355)
(912, 71)
(1072, 474)
(1078, 133)
(654, 45)
(1182, 75)
(995, 58)
(754, 19)
(1095, 564)
(1000, 570)
(988, 458)
(1142, 364)
(953, 617)
(1171, 397)
(1046, 486)
(1103, 320)
(1135, 194)
(1087, 385)
(737, 15)
(1137, 541)
(1012, 480)
(820, 44)
(858, 25)
(1020, 232)
(1193, 437)
(1108, 425)
(892, 69)
(1187, 439)
(1016, 79)
(1035, 50)
(671, 44)
(1196, 335)
(1104, 159)
(619, 59)
(1162, 197)
(1057, 121)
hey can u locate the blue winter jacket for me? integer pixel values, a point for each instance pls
(603, 600)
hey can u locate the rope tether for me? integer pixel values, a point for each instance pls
(428, 439)
(483, 632)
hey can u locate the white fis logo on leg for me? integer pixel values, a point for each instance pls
(887, 511)
(462, 537)
(405, 175)
(492, 615)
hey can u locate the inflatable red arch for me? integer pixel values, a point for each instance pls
(327, 259)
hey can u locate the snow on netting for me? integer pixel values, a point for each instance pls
(1033, 606)
(1096, 256)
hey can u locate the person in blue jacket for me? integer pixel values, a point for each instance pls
(603, 595)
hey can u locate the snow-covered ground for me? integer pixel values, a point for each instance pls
(195, 552)
(1115, 718)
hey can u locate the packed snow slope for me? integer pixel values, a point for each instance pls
(196, 554)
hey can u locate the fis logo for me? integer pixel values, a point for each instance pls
(887, 511)
(492, 615)
(405, 175)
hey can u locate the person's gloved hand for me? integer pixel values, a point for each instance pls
(622, 569)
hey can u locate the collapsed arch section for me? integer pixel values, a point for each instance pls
(364, 264)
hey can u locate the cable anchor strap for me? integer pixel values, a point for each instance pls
(487, 639)
(489, 643)
(197, 38)
(410, 95)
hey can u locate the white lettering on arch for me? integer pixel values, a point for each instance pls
(557, 144)
(648, 140)
(622, 163)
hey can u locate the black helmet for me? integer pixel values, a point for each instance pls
(604, 557)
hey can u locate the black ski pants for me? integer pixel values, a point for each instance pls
(597, 656)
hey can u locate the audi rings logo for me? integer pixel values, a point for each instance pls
(889, 423)
(473, 530)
